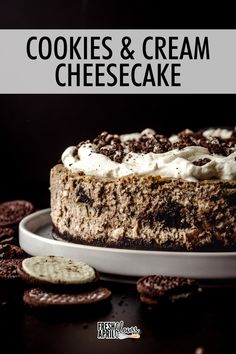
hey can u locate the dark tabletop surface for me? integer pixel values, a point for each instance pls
(207, 326)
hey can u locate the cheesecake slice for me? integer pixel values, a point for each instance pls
(148, 191)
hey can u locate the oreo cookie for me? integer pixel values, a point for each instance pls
(7, 235)
(8, 270)
(39, 298)
(8, 251)
(156, 289)
(12, 212)
(57, 272)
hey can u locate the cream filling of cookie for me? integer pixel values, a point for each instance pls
(58, 270)
(177, 297)
(174, 164)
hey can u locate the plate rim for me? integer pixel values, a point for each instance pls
(28, 218)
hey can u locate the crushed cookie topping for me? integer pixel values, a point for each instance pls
(113, 147)
(201, 162)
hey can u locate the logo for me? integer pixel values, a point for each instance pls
(116, 330)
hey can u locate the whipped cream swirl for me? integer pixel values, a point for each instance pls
(174, 163)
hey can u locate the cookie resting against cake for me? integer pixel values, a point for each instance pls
(148, 191)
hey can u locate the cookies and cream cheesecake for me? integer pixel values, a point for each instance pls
(148, 191)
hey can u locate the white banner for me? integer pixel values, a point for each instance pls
(117, 61)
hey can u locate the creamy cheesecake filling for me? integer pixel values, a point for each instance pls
(143, 212)
(175, 163)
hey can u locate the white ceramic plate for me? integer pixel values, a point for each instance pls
(35, 239)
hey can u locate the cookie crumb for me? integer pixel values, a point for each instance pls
(120, 303)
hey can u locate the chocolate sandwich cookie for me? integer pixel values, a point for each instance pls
(8, 251)
(39, 298)
(8, 270)
(7, 235)
(155, 289)
(57, 272)
(12, 212)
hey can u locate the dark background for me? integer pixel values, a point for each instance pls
(35, 129)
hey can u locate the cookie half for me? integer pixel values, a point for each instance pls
(57, 271)
(39, 298)
(12, 212)
(154, 289)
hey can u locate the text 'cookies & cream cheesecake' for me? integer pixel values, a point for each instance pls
(148, 191)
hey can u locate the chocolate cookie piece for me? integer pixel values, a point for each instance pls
(57, 272)
(12, 212)
(7, 235)
(8, 270)
(8, 251)
(39, 298)
(154, 289)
